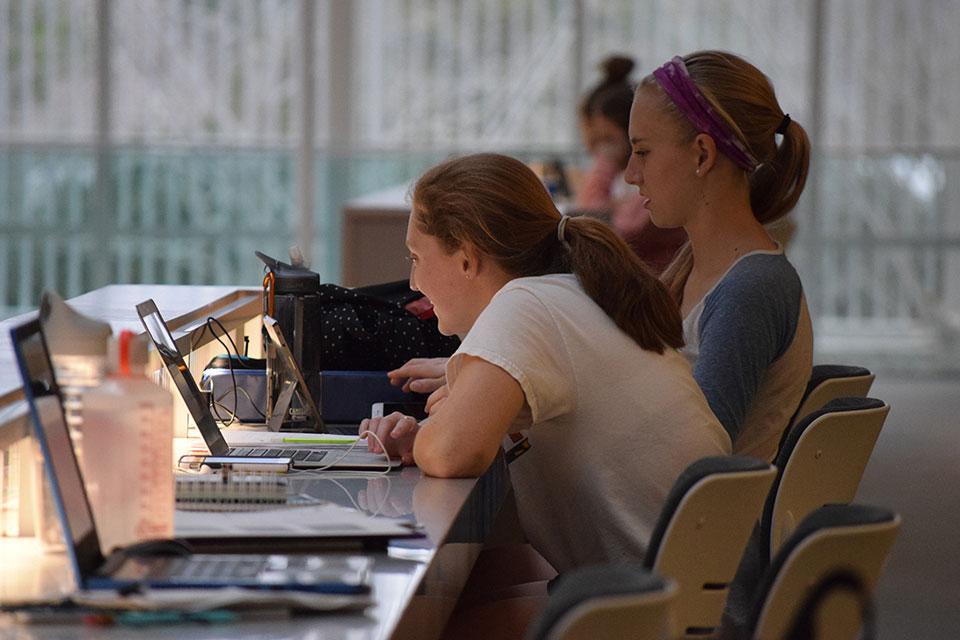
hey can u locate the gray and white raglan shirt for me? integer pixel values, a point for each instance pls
(750, 343)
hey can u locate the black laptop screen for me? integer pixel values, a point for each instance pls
(53, 436)
(167, 348)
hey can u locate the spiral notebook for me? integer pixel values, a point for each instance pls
(232, 491)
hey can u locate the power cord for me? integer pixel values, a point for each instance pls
(215, 404)
(242, 391)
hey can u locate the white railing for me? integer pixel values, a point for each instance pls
(160, 141)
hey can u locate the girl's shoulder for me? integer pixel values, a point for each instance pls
(554, 285)
(760, 289)
(760, 274)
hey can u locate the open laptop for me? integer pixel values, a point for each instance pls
(162, 563)
(312, 457)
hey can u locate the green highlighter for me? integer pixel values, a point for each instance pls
(327, 440)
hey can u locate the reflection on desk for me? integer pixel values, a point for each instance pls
(312, 521)
(415, 582)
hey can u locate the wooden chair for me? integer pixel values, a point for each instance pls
(607, 602)
(821, 461)
(831, 381)
(852, 540)
(701, 534)
(696, 544)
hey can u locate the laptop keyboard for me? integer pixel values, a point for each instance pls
(298, 455)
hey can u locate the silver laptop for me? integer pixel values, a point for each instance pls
(159, 563)
(303, 457)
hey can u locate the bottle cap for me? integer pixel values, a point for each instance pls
(125, 355)
(123, 364)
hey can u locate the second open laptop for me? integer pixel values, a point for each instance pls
(312, 457)
(162, 563)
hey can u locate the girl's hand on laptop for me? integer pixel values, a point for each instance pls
(397, 433)
(420, 375)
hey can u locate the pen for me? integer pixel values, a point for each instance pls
(308, 440)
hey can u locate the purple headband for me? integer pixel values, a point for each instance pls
(675, 80)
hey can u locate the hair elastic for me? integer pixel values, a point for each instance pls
(562, 230)
(676, 82)
(782, 127)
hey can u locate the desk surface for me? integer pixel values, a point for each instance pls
(455, 514)
(415, 582)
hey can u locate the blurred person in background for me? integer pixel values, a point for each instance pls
(604, 116)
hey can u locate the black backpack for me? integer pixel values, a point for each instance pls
(332, 328)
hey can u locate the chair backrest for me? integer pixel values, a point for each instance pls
(702, 531)
(838, 595)
(854, 539)
(831, 381)
(608, 601)
(821, 461)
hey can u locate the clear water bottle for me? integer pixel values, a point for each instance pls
(76, 374)
(127, 426)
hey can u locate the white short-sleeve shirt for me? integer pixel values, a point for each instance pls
(611, 425)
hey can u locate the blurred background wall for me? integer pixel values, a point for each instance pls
(163, 141)
(166, 140)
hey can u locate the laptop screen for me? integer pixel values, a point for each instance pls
(46, 409)
(290, 365)
(196, 403)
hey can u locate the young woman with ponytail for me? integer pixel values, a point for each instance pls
(713, 152)
(569, 343)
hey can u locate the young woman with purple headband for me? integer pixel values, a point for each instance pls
(713, 152)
